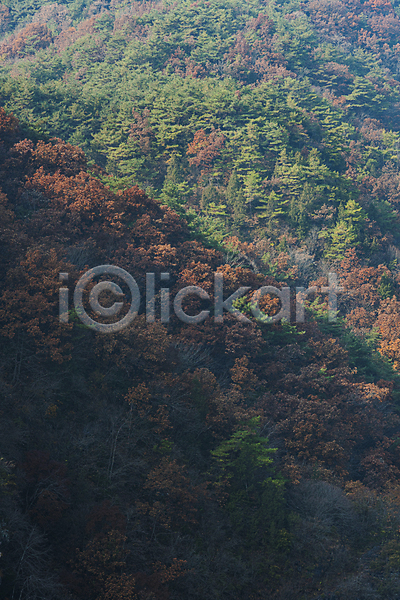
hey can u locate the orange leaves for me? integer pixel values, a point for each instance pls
(364, 301)
(85, 203)
(205, 148)
(101, 572)
(183, 65)
(391, 349)
(242, 376)
(332, 415)
(147, 259)
(104, 554)
(253, 55)
(160, 398)
(379, 22)
(359, 318)
(363, 283)
(380, 4)
(55, 172)
(30, 39)
(379, 466)
(375, 393)
(230, 337)
(145, 220)
(69, 35)
(235, 278)
(59, 156)
(328, 353)
(388, 323)
(197, 273)
(81, 193)
(138, 396)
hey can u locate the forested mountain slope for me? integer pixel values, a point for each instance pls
(219, 460)
(215, 460)
(265, 118)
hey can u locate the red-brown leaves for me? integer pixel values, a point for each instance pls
(29, 305)
(370, 24)
(8, 125)
(30, 39)
(388, 322)
(174, 498)
(97, 566)
(9, 132)
(205, 148)
(140, 131)
(57, 156)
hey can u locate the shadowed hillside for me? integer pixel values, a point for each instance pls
(214, 460)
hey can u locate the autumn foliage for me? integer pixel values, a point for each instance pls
(163, 453)
(221, 460)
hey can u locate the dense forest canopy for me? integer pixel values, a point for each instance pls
(167, 461)
(224, 108)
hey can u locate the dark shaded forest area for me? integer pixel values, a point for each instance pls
(230, 460)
